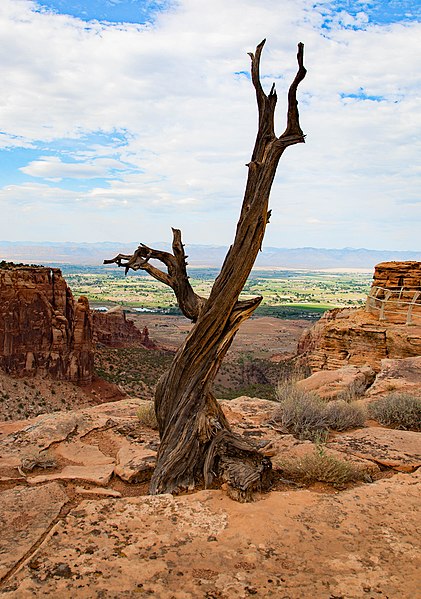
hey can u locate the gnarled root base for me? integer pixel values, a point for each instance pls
(244, 470)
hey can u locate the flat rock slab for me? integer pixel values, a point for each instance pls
(97, 475)
(298, 544)
(82, 453)
(248, 410)
(393, 448)
(99, 491)
(50, 429)
(135, 463)
(288, 448)
(26, 515)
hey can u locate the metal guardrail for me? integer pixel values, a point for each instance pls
(403, 300)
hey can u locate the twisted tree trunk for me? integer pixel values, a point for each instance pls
(196, 441)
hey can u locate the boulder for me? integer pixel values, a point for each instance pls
(398, 376)
(334, 384)
(135, 463)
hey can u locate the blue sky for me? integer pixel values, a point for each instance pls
(122, 118)
(113, 11)
(143, 11)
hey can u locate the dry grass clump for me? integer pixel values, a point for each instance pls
(306, 416)
(319, 466)
(342, 416)
(147, 417)
(397, 410)
(353, 392)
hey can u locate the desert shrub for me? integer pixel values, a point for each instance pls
(291, 372)
(287, 390)
(353, 392)
(147, 417)
(342, 416)
(319, 466)
(306, 416)
(397, 410)
(300, 413)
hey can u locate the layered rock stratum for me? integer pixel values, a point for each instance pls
(389, 326)
(43, 330)
(114, 329)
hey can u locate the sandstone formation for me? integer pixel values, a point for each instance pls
(398, 376)
(113, 329)
(43, 330)
(388, 327)
(69, 529)
(395, 295)
(343, 382)
(398, 275)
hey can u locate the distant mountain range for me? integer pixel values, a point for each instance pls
(56, 253)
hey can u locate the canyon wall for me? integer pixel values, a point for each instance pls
(43, 330)
(388, 327)
(113, 329)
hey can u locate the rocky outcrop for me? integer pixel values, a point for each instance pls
(113, 329)
(43, 330)
(388, 327)
(395, 295)
(398, 376)
(347, 382)
(398, 275)
(69, 529)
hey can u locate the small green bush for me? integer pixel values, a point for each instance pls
(147, 417)
(306, 416)
(397, 410)
(321, 467)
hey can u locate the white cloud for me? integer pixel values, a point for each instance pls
(52, 168)
(189, 123)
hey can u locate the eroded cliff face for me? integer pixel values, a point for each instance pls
(43, 330)
(388, 327)
(113, 329)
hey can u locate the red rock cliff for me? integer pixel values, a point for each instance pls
(42, 329)
(113, 329)
(388, 327)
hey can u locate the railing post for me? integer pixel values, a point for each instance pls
(411, 306)
(383, 301)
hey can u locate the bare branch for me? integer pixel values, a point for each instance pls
(266, 107)
(189, 302)
(139, 260)
(293, 133)
(255, 74)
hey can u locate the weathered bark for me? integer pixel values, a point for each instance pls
(196, 441)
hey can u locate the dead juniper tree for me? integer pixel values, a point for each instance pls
(197, 443)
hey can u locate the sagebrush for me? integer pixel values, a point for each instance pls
(147, 417)
(306, 416)
(397, 410)
(320, 466)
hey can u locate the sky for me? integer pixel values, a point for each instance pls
(120, 119)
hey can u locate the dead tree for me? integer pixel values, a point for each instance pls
(197, 443)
